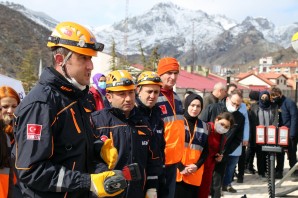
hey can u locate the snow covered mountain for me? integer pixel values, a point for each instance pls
(39, 17)
(175, 30)
(179, 32)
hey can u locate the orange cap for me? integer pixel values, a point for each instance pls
(167, 64)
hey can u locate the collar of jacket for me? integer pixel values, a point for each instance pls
(51, 77)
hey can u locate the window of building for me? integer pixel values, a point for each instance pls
(277, 81)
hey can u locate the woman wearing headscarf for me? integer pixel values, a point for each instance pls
(267, 114)
(190, 169)
(98, 90)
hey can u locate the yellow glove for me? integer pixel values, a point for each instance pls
(98, 184)
(109, 153)
(151, 193)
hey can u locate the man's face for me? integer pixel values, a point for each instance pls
(235, 101)
(148, 94)
(169, 79)
(79, 67)
(123, 100)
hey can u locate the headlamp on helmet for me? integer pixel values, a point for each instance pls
(149, 78)
(119, 80)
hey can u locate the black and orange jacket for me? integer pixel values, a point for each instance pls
(56, 162)
(132, 138)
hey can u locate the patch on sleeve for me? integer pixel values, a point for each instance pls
(163, 109)
(33, 131)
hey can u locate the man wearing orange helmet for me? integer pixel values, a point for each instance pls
(147, 92)
(55, 150)
(130, 132)
(172, 115)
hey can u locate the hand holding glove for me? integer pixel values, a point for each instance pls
(99, 185)
(151, 193)
(109, 153)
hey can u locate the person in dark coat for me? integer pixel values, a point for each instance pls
(287, 110)
(251, 149)
(54, 147)
(266, 113)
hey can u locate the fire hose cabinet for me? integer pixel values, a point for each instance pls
(283, 136)
(271, 135)
(260, 134)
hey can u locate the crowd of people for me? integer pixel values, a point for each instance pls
(65, 139)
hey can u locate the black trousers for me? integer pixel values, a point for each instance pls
(217, 178)
(262, 158)
(241, 163)
(184, 190)
(280, 157)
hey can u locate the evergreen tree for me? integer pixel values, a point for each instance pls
(27, 72)
(154, 57)
(113, 65)
(143, 58)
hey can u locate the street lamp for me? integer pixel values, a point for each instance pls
(228, 77)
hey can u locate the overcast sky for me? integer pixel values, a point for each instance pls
(106, 12)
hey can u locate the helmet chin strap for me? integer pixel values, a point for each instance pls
(67, 76)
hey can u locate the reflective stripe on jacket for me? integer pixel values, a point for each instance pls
(193, 147)
(174, 128)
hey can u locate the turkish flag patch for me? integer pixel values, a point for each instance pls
(163, 109)
(33, 131)
(103, 138)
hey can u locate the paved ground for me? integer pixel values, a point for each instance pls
(254, 187)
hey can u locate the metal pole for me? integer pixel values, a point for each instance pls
(272, 173)
(296, 95)
(228, 79)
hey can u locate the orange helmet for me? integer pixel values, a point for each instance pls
(149, 78)
(75, 38)
(119, 80)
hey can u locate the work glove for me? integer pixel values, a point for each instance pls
(109, 153)
(100, 187)
(151, 193)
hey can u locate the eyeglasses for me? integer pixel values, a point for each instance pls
(96, 46)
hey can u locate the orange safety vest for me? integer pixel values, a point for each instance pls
(174, 128)
(4, 182)
(194, 144)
